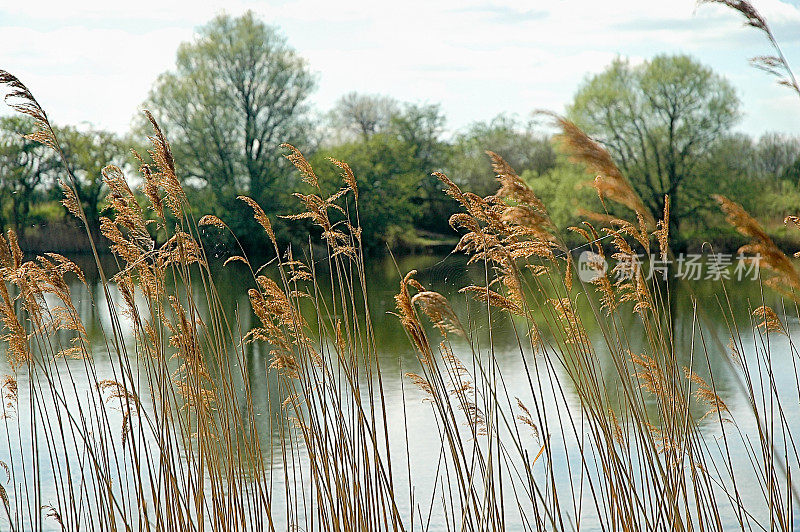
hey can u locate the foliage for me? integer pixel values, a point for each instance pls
(390, 180)
(237, 91)
(562, 189)
(376, 123)
(87, 152)
(658, 120)
(775, 153)
(519, 144)
(24, 169)
(420, 127)
(362, 115)
(736, 166)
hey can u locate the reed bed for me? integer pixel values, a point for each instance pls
(155, 426)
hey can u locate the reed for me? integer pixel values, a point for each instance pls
(154, 427)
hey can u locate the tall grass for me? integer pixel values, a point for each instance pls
(155, 427)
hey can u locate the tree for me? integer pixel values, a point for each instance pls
(87, 153)
(24, 167)
(659, 121)
(517, 143)
(362, 115)
(775, 154)
(560, 189)
(387, 177)
(420, 127)
(237, 92)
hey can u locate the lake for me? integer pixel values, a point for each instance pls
(413, 429)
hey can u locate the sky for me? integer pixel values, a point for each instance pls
(94, 61)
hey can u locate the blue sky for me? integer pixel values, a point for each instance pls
(94, 60)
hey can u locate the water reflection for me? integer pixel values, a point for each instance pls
(698, 329)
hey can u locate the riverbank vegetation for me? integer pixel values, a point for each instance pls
(668, 123)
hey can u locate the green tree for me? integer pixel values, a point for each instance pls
(387, 177)
(237, 92)
(792, 172)
(420, 127)
(25, 166)
(659, 120)
(561, 189)
(517, 143)
(87, 152)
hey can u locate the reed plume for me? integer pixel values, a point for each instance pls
(609, 181)
(761, 248)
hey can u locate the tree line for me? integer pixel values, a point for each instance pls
(238, 90)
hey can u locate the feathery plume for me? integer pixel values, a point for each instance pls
(347, 175)
(761, 248)
(300, 162)
(437, 308)
(752, 16)
(770, 321)
(609, 183)
(260, 216)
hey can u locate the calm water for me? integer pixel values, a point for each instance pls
(405, 401)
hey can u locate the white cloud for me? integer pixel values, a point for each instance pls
(95, 59)
(94, 74)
